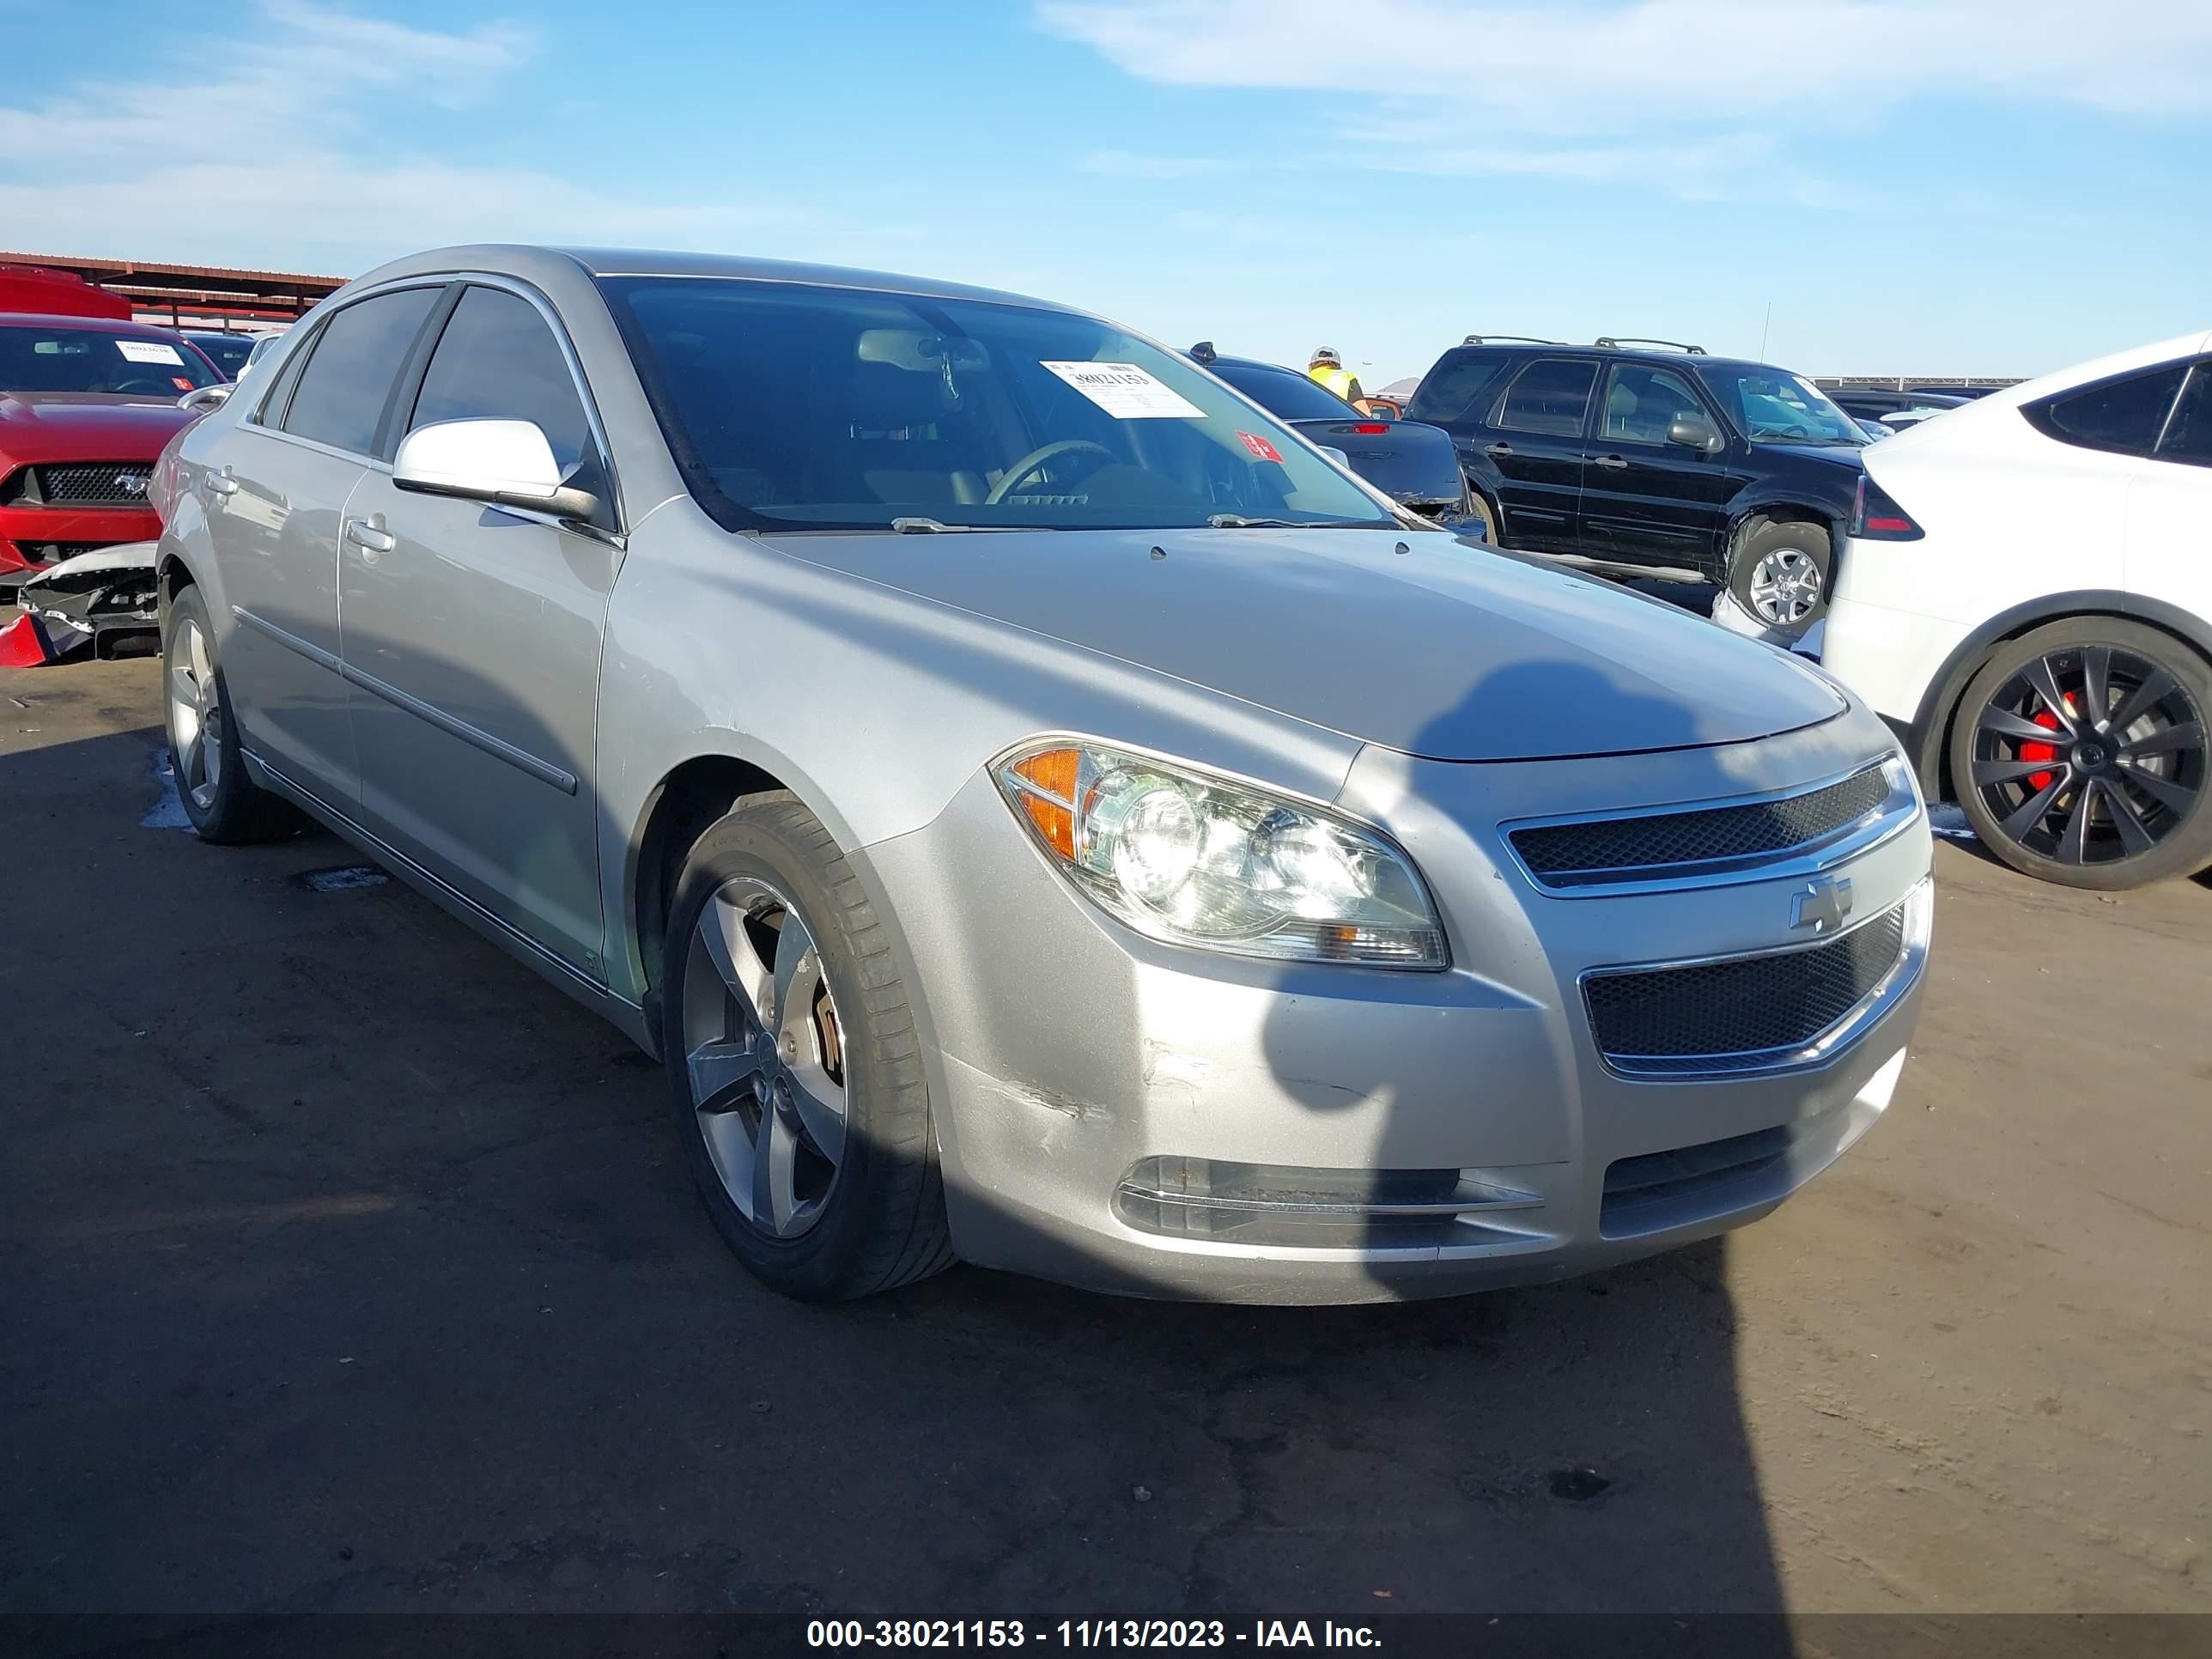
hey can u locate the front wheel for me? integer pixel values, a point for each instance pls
(1780, 576)
(792, 1062)
(2078, 753)
(225, 806)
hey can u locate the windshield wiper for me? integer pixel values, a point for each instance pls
(1238, 522)
(936, 527)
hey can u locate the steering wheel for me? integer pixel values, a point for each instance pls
(1036, 459)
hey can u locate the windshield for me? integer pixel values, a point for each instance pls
(1286, 392)
(799, 407)
(40, 357)
(1775, 406)
(229, 351)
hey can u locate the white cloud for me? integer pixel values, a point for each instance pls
(263, 164)
(1674, 95)
(1575, 63)
(1129, 164)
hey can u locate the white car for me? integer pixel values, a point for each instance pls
(2026, 594)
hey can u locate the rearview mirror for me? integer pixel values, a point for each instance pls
(1693, 432)
(506, 462)
(200, 399)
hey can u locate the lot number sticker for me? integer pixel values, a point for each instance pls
(1260, 446)
(149, 351)
(1126, 391)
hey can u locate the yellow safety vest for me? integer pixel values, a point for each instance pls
(1341, 381)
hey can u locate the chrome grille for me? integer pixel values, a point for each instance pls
(1599, 850)
(1742, 1012)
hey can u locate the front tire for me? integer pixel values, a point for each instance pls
(1780, 574)
(792, 1062)
(225, 806)
(2078, 753)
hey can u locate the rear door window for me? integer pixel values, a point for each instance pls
(1550, 396)
(2124, 415)
(341, 392)
(1448, 395)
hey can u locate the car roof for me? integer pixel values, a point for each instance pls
(99, 324)
(1220, 361)
(1567, 348)
(526, 261)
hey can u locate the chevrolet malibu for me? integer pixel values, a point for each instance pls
(1038, 809)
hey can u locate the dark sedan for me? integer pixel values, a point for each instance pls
(1413, 463)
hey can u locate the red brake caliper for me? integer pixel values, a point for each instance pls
(2038, 782)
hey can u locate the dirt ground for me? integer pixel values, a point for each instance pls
(345, 1266)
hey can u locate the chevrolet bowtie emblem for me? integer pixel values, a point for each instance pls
(1822, 906)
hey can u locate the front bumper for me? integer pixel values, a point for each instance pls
(1075, 1062)
(29, 535)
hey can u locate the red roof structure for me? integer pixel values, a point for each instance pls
(186, 295)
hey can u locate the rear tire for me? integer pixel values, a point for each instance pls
(807, 1125)
(1479, 509)
(225, 806)
(1780, 574)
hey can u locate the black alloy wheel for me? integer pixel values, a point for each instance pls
(2079, 754)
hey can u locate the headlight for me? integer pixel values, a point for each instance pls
(1199, 860)
(1903, 781)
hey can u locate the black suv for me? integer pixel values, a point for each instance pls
(1646, 453)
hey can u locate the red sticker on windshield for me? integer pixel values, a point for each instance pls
(180, 383)
(1260, 448)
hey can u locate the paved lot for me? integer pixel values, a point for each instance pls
(344, 1266)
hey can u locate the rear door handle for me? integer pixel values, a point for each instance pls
(1498, 452)
(367, 538)
(1612, 461)
(222, 483)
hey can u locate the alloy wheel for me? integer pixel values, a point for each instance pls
(1785, 586)
(765, 1053)
(2089, 755)
(196, 716)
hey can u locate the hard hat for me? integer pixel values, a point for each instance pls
(1328, 354)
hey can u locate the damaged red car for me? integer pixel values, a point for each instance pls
(85, 406)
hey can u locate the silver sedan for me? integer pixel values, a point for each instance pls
(1039, 809)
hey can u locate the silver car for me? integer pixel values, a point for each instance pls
(1041, 810)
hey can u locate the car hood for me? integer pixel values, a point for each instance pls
(1850, 455)
(66, 426)
(1443, 650)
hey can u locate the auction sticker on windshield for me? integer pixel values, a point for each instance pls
(1126, 391)
(149, 351)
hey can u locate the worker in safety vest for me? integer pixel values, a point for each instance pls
(1328, 370)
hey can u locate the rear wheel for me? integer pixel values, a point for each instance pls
(2078, 753)
(224, 804)
(1780, 574)
(1482, 513)
(792, 1062)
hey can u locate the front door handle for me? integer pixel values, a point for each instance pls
(367, 538)
(222, 483)
(1498, 451)
(1615, 461)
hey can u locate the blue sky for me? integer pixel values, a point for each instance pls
(1953, 186)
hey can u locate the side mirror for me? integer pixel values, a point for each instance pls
(506, 462)
(1336, 455)
(1693, 432)
(201, 399)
